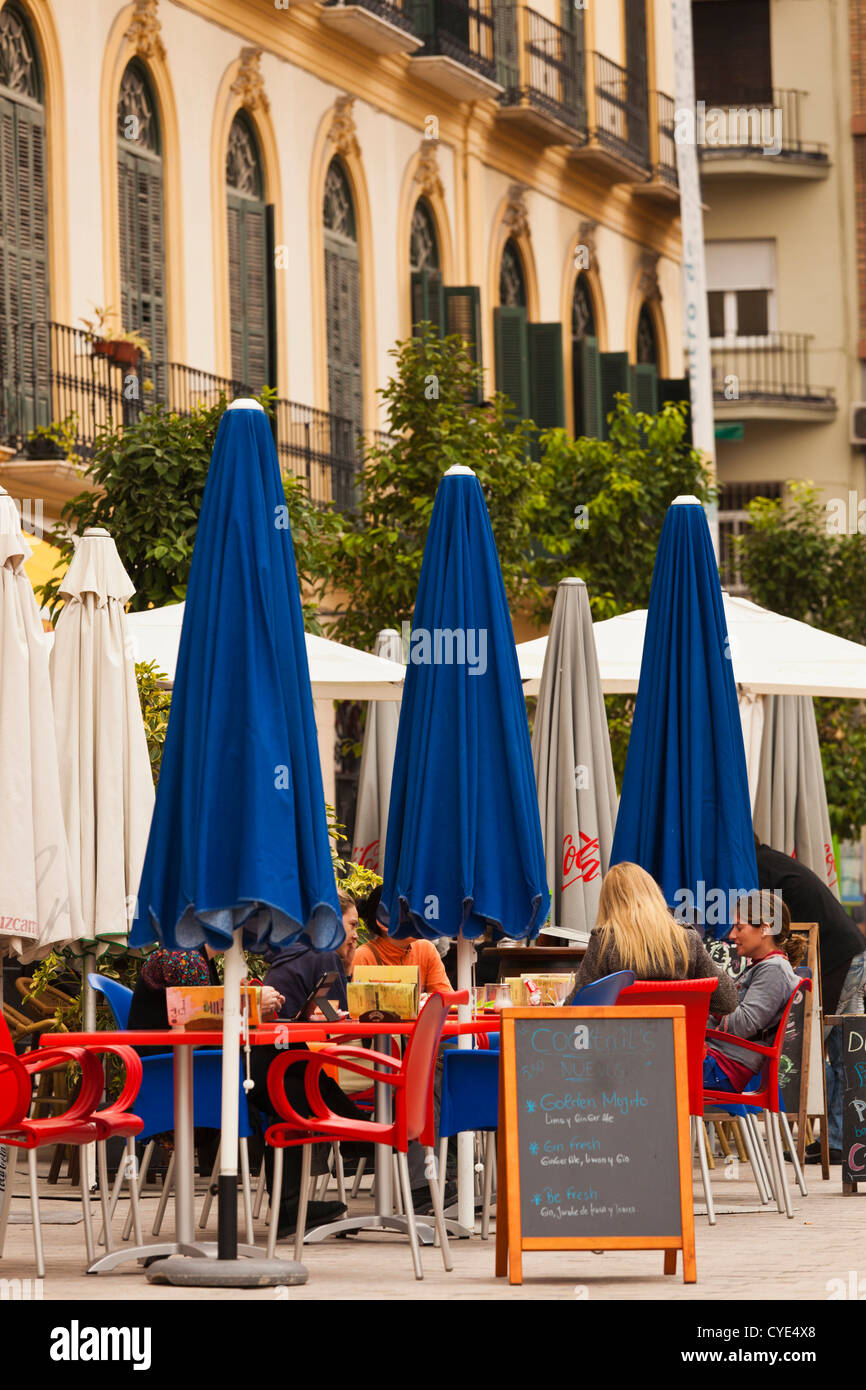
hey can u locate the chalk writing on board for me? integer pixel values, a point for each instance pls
(854, 1099)
(597, 1131)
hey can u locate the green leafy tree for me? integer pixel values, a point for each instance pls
(376, 557)
(151, 476)
(605, 504)
(794, 561)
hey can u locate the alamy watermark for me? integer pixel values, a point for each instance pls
(714, 907)
(730, 127)
(446, 646)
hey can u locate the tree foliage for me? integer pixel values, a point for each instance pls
(376, 558)
(793, 564)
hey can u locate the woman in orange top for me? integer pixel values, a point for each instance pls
(382, 949)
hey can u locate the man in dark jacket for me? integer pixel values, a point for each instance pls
(843, 965)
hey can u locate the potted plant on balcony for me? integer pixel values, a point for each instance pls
(124, 347)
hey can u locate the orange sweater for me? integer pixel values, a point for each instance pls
(386, 951)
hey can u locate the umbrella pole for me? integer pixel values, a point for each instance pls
(227, 1183)
(88, 1018)
(466, 1141)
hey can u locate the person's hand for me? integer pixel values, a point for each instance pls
(272, 1001)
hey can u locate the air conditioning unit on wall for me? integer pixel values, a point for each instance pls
(857, 434)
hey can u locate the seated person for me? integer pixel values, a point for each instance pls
(762, 935)
(294, 972)
(635, 931)
(381, 949)
(148, 1010)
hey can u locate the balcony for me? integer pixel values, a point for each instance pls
(664, 186)
(457, 56)
(768, 378)
(48, 372)
(542, 70)
(743, 138)
(380, 25)
(618, 119)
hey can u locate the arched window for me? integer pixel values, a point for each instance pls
(24, 308)
(142, 224)
(585, 362)
(428, 295)
(343, 299)
(647, 345)
(423, 241)
(512, 282)
(249, 290)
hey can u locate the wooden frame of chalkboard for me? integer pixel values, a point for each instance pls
(812, 1087)
(605, 1047)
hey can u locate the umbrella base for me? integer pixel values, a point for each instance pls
(209, 1273)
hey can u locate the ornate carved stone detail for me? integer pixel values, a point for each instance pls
(249, 85)
(648, 285)
(515, 217)
(344, 136)
(427, 174)
(144, 30)
(586, 237)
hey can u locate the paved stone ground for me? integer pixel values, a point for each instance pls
(749, 1254)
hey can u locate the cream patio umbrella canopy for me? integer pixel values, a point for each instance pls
(106, 784)
(38, 906)
(573, 765)
(790, 808)
(377, 766)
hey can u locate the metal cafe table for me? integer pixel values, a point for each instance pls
(281, 1034)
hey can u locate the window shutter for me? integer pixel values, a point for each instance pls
(588, 420)
(248, 291)
(428, 300)
(142, 255)
(732, 52)
(636, 69)
(677, 389)
(644, 387)
(236, 292)
(512, 358)
(343, 298)
(126, 193)
(546, 384)
(463, 315)
(24, 266)
(421, 13)
(271, 281)
(505, 47)
(615, 376)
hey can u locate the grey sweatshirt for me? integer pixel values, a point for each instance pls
(763, 989)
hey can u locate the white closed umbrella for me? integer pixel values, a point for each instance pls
(573, 765)
(377, 766)
(752, 721)
(790, 812)
(106, 785)
(38, 906)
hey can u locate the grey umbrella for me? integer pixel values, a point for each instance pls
(791, 801)
(573, 767)
(377, 765)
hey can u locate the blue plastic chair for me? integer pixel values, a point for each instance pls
(470, 1101)
(603, 993)
(154, 1103)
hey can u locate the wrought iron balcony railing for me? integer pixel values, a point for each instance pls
(458, 29)
(666, 162)
(391, 10)
(621, 111)
(52, 373)
(554, 67)
(770, 369)
(739, 123)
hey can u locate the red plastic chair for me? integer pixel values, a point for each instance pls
(74, 1125)
(694, 995)
(412, 1082)
(116, 1121)
(766, 1097)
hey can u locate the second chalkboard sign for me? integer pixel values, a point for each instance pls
(596, 1148)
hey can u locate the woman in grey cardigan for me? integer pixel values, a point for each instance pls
(635, 931)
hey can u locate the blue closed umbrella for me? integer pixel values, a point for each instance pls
(239, 841)
(684, 813)
(464, 847)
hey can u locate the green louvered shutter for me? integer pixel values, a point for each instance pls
(512, 357)
(644, 388)
(586, 370)
(422, 13)
(23, 268)
(248, 292)
(428, 300)
(142, 254)
(505, 48)
(463, 315)
(615, 376)
(677, 389)
(546, 382)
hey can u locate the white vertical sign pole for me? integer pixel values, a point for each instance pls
(696, 325)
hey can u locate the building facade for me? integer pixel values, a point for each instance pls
(773, 81)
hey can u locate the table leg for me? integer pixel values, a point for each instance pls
(184, 1143)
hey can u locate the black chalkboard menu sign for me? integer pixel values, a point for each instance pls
(853, 1101)
(595, 1152)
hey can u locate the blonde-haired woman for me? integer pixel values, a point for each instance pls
(635, 931)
